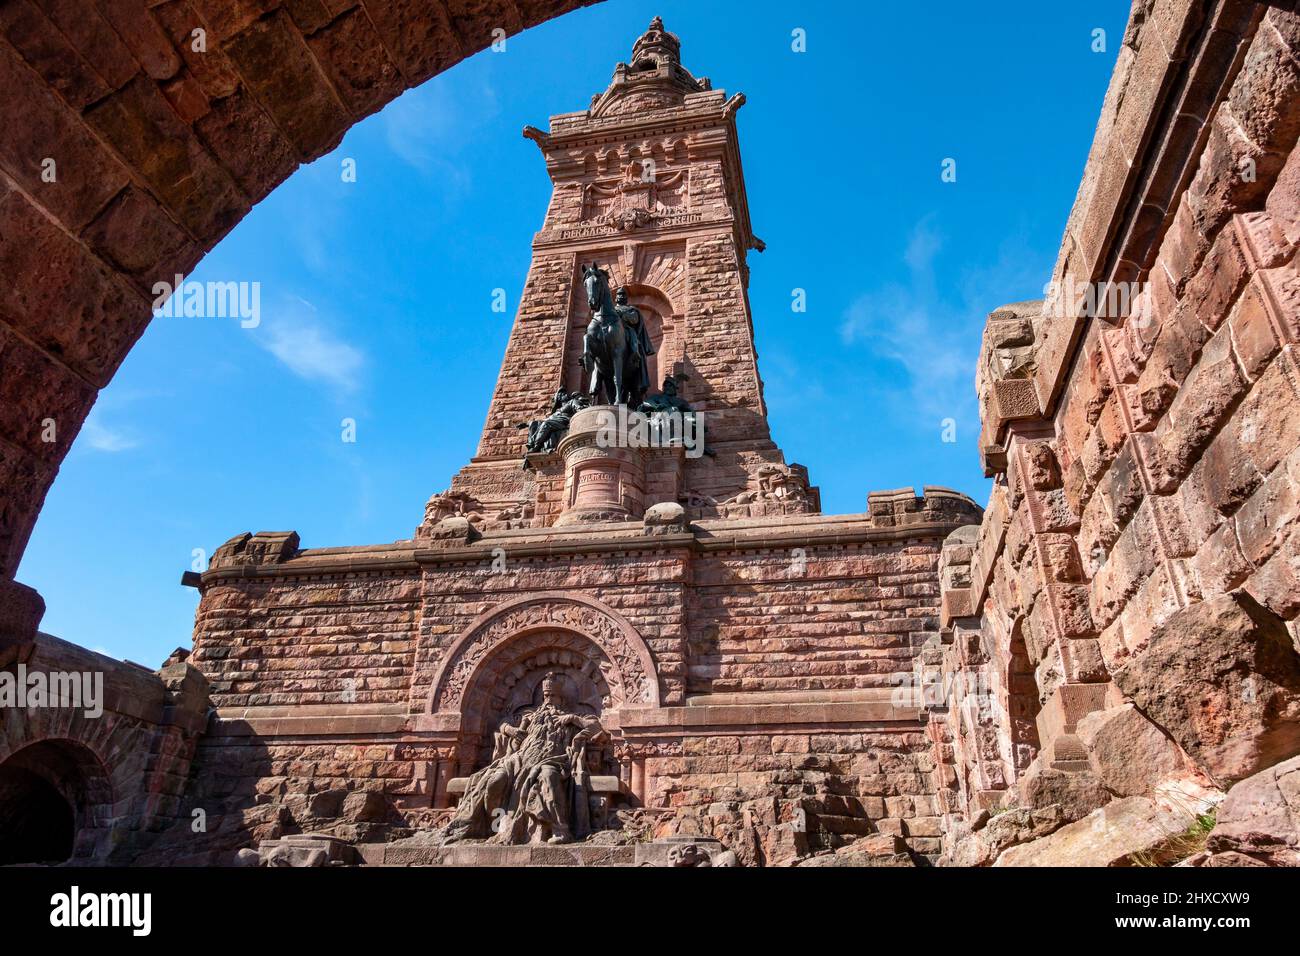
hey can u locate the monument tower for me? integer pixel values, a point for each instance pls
(666, 631)
(648, 183)
(664, 653)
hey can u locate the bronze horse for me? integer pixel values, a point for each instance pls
(606, 351)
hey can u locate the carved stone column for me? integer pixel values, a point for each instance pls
(604, 473)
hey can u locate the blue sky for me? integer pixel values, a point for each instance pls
(376, 295)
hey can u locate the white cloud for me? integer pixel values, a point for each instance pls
(101, 437)
(935, 337)
(426, 127)
(909, 323)
(298, 337)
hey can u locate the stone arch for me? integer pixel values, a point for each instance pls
(509, 685)
(56, 802)
(161, 150)
(501, 637)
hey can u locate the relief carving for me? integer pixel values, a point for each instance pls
(773, 489)
(628, 668)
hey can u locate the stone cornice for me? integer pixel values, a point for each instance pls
(749, 534)
(582, 129)
(863, 710)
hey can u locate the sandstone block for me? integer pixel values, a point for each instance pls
(1002, 831)
(274, 60)
(350, 52)
(1260, 819)
(1114, 835)
(1078, 794)
(1128, 753)
(1222, 678)
(875, 850)
(1234, 175)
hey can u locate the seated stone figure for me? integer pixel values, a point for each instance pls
(535, 788)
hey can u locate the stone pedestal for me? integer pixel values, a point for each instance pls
(604, 475)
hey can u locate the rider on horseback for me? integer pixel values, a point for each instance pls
(639, 346)
(616, 345)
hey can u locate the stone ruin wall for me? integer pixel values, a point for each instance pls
(123, 772)
(1097, 646)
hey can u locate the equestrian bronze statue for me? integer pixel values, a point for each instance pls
(616, 347)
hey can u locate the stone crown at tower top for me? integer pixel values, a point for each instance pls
(654, 78)
(657, 46)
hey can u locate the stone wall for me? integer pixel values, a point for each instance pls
(779, 651)
(122, 768)
(296, 642)
(842, 617)
(852, 617)
(1142, 530)
(788, 794)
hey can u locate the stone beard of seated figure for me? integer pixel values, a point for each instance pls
(535, 790)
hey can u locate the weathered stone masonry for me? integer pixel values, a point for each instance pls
(1122, 616)
(746, 651)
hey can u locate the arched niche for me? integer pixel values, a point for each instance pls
(660, 315)
(56, 803)
(662, 319)
(553, 622)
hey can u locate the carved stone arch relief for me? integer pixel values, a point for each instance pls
(577, 632)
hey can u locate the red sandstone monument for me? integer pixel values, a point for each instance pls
(742, 652)
(604, 646)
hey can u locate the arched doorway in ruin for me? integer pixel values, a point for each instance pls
(55, 803)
